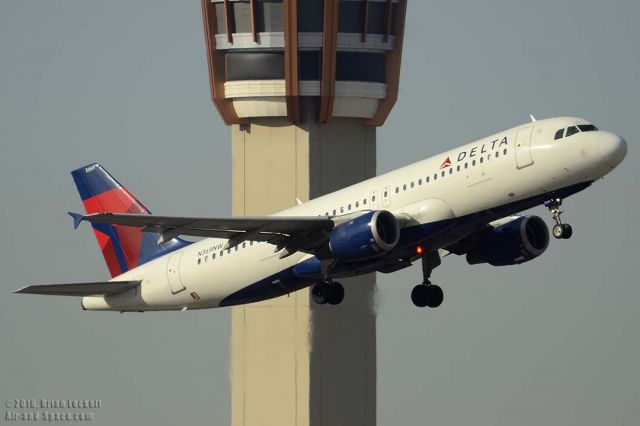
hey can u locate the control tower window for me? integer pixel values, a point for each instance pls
(310, 64)
(254, 66)
(222, 25)
(572, 131)
(269, 15)
(356, 66)
(377, 19)
(310, 13)
(351, 16)
(241, 17)
(559, 134)
(587, 128)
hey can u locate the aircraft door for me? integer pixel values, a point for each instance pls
(523, 147)
(173, 273)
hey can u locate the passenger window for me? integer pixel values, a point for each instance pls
(466, 165)
(357, 204)
(419, 181)
(386, 193)
(364, 202)
(199, 261)
(497, 154)
(236, 248)
(451, 170)
(481, 160)
(442, 173)
(244, 245)
(504, 151)
(572, 131)
(412, 184)
(427, 179)
(341, 209)
(473, 163)
(458, 168)
(404, 187)
(334, 212)
(349, 206)
(559, 134)
(397, 189)
(206, 258)
(213, 256)
(222, 253)
(435, 176)
(587, 128)
(373, 199)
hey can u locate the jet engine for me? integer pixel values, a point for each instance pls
(515, 241)
(366, 236)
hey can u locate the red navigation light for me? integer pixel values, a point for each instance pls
(419, 249)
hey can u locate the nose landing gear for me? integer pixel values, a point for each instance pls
(427, 294)
(560, 230)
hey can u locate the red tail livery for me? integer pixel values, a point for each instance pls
(123, 247)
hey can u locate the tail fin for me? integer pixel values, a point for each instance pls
(123, 247)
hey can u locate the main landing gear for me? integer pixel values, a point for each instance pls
(427, 294)
(560, 230)
(327, 291)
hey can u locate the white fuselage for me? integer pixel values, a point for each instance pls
(504, 168)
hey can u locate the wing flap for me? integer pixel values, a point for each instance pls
(107, 288)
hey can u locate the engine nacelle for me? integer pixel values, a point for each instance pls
(516, 241)
(366, 236)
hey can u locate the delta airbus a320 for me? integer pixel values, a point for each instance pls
(463, 201)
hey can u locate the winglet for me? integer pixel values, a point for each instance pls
(77, 219)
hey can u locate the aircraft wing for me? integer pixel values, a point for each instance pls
(295, 233)
(107, 288)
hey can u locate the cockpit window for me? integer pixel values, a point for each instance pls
(572, 131)
(559, 134)
(587, 128)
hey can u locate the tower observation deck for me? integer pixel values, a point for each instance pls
(265, 56)
(303, 84)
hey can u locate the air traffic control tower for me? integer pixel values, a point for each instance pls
(303, 85)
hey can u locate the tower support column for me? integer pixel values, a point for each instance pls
(294, 362)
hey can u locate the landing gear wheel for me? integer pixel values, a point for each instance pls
(327, 292)
(435, 296)
(336, 293)
(562, 231)
(427, 295)
(320, 293)
(558, 231)
(419, 295)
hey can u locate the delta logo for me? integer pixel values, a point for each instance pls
(480, 149)
(446, 163)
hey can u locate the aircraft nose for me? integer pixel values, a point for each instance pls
(612, 148)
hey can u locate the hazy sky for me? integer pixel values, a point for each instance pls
(554, 341)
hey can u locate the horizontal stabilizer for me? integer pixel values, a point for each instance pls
(106, 288)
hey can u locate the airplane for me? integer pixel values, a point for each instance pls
(464, 201)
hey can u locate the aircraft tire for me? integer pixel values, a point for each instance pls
(419, 295)
(335, 293)
(435, 296)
